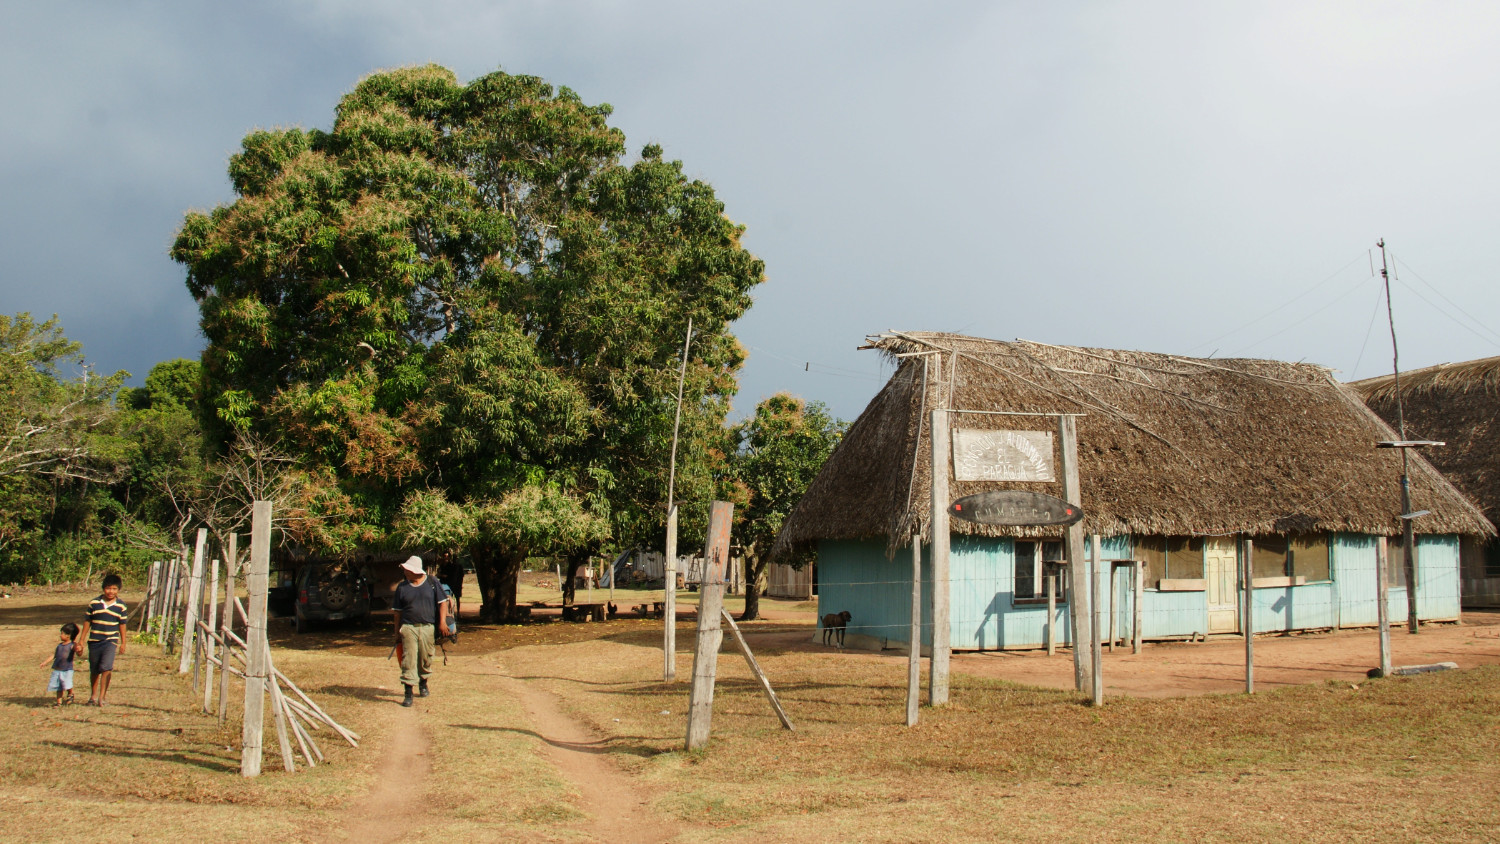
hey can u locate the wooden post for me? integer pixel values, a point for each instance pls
(231, 568)
(669, 601)
(208, 664)
(149, 601)
(1410, 558)
(710, 634)
(194, 600)
(1080, 592)
(1096, 668)
(1114, 608)
(257, 580)
(166, 607)
(1382, 604)
(765, 684)
(937, 694)
(1138, 613)
(1247, 577)
(1051, 614)
(914, 658)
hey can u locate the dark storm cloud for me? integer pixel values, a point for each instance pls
(1136, 175)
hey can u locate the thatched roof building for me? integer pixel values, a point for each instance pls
(1456, 403)
(1168, 445)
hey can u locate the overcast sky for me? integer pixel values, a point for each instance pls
(1203, 178)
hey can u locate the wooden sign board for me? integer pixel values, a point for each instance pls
(1015, 508)
(980, 455)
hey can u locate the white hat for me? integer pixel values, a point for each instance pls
(413, 564)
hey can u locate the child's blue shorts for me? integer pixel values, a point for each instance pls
(62, 681)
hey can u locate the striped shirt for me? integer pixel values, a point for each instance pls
(104, 620)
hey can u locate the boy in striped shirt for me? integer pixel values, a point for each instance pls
(104, 630)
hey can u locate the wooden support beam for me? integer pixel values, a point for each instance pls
(914, 658)
(938, 678)
(1114, 608)
(255, 639)
(278, 711)
(1079, 592)
(213, 604)
(1137, 599)
(1247, 579)
(710, 634)
(760, 676)
(1051, 614)
(1383, 603)
(1096, 668)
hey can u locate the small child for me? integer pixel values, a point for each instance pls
(62, 665)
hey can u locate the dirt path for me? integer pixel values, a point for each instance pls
(620, 812)
(389, 810)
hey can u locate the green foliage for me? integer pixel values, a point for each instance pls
(461, 296)
(773, 458)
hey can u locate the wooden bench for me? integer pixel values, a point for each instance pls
(583, 612)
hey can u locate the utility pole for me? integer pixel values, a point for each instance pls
(1408, 541)
(669, 563)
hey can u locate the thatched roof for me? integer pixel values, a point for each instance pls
(1456, 403)
(1168, 446)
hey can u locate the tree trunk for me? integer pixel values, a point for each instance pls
(571, 564)
(755, 570)
(498, 574)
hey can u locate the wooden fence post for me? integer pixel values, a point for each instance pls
(1051, 614)
(1078, 580)
(710, 633)
(914, 659)
(208, 644)
(1382, 603)
(938, 543)
(1096, 672)
(1139, 614)
(669, 600)
(255, 638)
(231, 568)
(194, 600)
(1247, 577)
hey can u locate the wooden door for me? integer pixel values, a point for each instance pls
(1221, 573)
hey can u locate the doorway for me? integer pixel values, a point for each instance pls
(1221, 573)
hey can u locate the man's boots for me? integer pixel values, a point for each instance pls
(422, 688)
(407, 701)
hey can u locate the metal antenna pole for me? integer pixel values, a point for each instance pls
(1409, 563)
(669, 564)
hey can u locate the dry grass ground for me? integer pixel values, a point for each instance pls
(559, 732)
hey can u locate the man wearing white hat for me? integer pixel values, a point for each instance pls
(421, 609)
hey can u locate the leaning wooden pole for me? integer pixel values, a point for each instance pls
(257, 582)
(760, 676)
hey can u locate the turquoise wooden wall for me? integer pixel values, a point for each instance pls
(856, 576)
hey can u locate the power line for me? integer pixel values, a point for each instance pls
(1371, 327)
(1493, 338)
(1277, 309)
(1309, 316)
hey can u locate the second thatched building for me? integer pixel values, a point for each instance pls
(1179, 459)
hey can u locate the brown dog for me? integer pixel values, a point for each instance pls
(834, 624)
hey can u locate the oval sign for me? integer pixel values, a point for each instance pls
(1015, 508)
